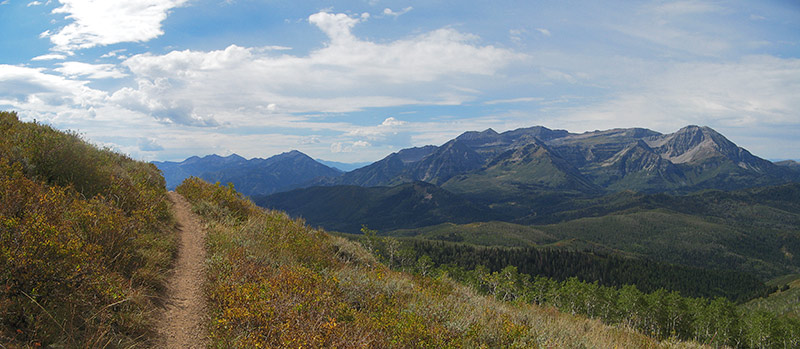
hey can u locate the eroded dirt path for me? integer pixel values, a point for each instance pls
(182, 324)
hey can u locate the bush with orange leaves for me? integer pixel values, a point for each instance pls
(85, 238)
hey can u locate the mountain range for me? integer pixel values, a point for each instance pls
(256, 176)
(494, 166)
(532, 175)
(538, 159)
(690, 197)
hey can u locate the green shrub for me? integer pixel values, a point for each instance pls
(85, 239)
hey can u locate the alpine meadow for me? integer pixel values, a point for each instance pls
(399, 174)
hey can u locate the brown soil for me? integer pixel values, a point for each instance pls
(182, 323)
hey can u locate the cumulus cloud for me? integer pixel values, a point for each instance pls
(101, 22)
(33, 89)
(345, 147)
(348, 74)
(391, 121)
(336, 26)
(176, 111)
(391, 132)
(149, 144)
(91, 71)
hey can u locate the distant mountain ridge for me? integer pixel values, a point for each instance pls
(256, 176)
(347, 207)
(689, 159)
(790, 164)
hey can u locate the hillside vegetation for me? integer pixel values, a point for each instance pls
(85, 239)
(785, 301)
(276, 282)
(530, 276)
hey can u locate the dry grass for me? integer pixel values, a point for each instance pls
(275, 282)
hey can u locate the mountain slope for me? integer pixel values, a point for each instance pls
(637, 166)
(251, 177)
(346, 208)
(391, 170)
(689, 159)
(528, 169)
(790, 164)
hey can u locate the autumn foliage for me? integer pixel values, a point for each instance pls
(276, 282)
(85, 238)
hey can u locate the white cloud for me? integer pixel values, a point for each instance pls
(310, 140)
(348, 74)
(102, 22)
(513, 100)
(544, 32)
(274, 48)
(176, 111)
(149, 144)
(388, 12)
(516, 35)
(336, 26)
(91, 71)
(49, 56)
(5, 2)
(344, 147)
(31, 88)
(755, 91)
(391, 132)
(34, 3)
(113, 53)
(391, 121)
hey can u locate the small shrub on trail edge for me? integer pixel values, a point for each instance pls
(275, 282)
(85, 239)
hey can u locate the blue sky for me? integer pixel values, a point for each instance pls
(356, 80)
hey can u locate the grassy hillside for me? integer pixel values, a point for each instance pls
(346, 208)
(274, 281)
(588, 266)
(492, 233)
(85, 238)
(786, 301)
(685, 239)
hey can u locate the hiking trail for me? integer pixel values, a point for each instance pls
(182, 323)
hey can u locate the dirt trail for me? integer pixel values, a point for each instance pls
(182, 324)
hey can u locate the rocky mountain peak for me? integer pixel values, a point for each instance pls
(693, 144)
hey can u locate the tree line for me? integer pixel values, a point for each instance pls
(605, 269)
(543, 277)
